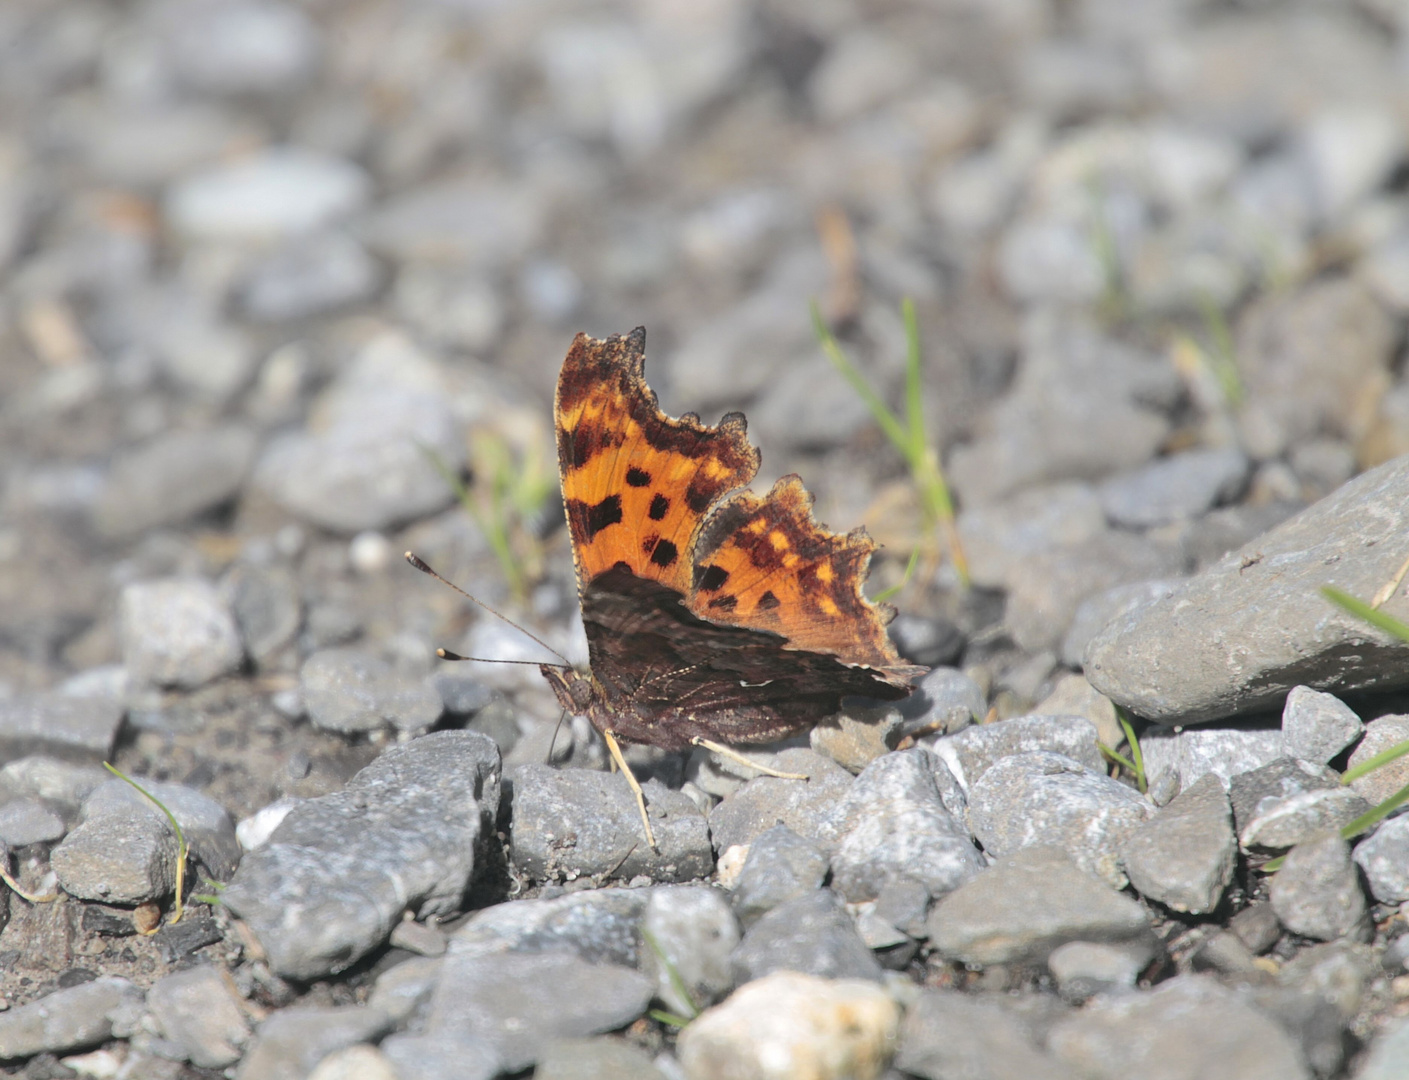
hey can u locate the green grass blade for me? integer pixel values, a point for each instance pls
(1119, 758)
(672, 973)
(914, 400)
(1374, 616)
(1384, 757)
(887, 420)
(1137, 758)
(885, 594)
(181, 849)
(663, 1017)
(1363, 823)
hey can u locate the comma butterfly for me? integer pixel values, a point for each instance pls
(711, 613)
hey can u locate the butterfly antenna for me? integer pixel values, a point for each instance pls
(554, 740)
(425, 568)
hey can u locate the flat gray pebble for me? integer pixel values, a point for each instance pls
(309, 277)
(603, 926)
(1026, 905)
(948, 1034)
(1380, 734)
(292, 1041)
(572, 823)
(1256, 790)
(1317, 726)
(1188, 1028)
(1195, 752)
(172, 478)
(944, 701)
(441, 1057)
(1047, 798)
(1184, 856)
(893, 822)
(199, 1012)
(972, 752)
(1317, 892)
(780, 866)
(76, 728)
(266, 605)
(72, 1019)
(1256, 926)
(29, 821)
(1086, 968)
(696, 931)
(604, 1058)
(518, 1002)
(1098, 611)
(348, 690)
(1384, 857)
(812, 934)
(766, 801)
(1288, 821)
(1173, 488)
(177, 632)
(340, 870)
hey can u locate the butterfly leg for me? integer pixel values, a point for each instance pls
(615, 749)
(734, 755)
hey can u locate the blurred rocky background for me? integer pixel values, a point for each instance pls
(277, 279)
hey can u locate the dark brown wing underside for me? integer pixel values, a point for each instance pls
(667, 676)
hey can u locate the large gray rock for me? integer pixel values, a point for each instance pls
(1239, 636)
(950, 1034)
(1029, 904)
(71, 1019)
(340, 870)
(75, 728)
(1317, 892)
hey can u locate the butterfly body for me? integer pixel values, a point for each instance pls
(711, 613)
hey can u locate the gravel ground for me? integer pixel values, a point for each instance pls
(271, 273)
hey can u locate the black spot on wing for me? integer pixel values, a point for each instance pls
(590, 520)
(709, 578)
(660, 505)
(723, 603)
(767, 602)
(698, 496)
(637, 477)
(665, 553)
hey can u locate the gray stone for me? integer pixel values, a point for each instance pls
(1228, 528)
(858, 733)
(1028, 904)
(1338, 972)
(1226, 953)
(1381, 734)
(359, 1062)
(206, 825)
(999, 536)
(311, 277)
(928, 641)
(944, 701)
(1285, 822)
(970, 753)
(71, 728)
(1257, 927)
(1387, 1055)
(1275, 630)
(279, 192)
(172, 478)
(1048, 799)
(198, 1011)
(266, 605)
(242, 47)
(1098, 611)
(403, 988)
(767, 801)
(893, 821)
(696, 932)
(1256, 790)
(1225, 752)
(1384, 857)
(947, 1034)
(348, 690)
(1081, 407)
(1188, 1028)
(1072, 695)
(789, 1025)
(518, 1002)
(479, 225)
(62, 783)
(1316, 726)
(1282, 342)
(579, 822)
(903, 903)
(364, 463)
(811, 934)
(177, 632)
(341, 869)
(440, 1057)
(1317, 893)
(28, 821)
(780, 866)
(1174, 488)
(602, 926)
(1045, 591)
(1086, 968)
(604, 1058)
(1050, 259)
(292, 1041)
(71, 1019)
(122, 856)
(1184, 856)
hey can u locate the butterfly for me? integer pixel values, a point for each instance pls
(713, 615)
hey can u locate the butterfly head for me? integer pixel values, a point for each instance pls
(574, 690)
